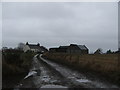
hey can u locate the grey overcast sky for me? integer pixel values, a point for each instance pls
(94, 24)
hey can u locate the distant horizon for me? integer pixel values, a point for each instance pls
(104, 51)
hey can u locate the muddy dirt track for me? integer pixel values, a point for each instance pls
(48, 74)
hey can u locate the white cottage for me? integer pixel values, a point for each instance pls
(32, 47)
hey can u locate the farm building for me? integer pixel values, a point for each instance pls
(34, 48)
(52, 50)
(72, 48)
(63, 49)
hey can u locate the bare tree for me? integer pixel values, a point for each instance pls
(109, 52)
(21, 46)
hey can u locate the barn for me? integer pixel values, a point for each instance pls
(72, 48)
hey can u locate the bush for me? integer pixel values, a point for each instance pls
(26, 59)
(16, 61)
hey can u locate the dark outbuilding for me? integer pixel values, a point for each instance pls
(73, 48)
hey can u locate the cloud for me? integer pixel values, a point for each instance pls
(53, 24)
(36, 10)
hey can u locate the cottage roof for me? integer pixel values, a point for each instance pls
(83, 47)
(43, 48)
(64, 47)
(32, 46)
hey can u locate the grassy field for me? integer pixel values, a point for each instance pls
(105, 64)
